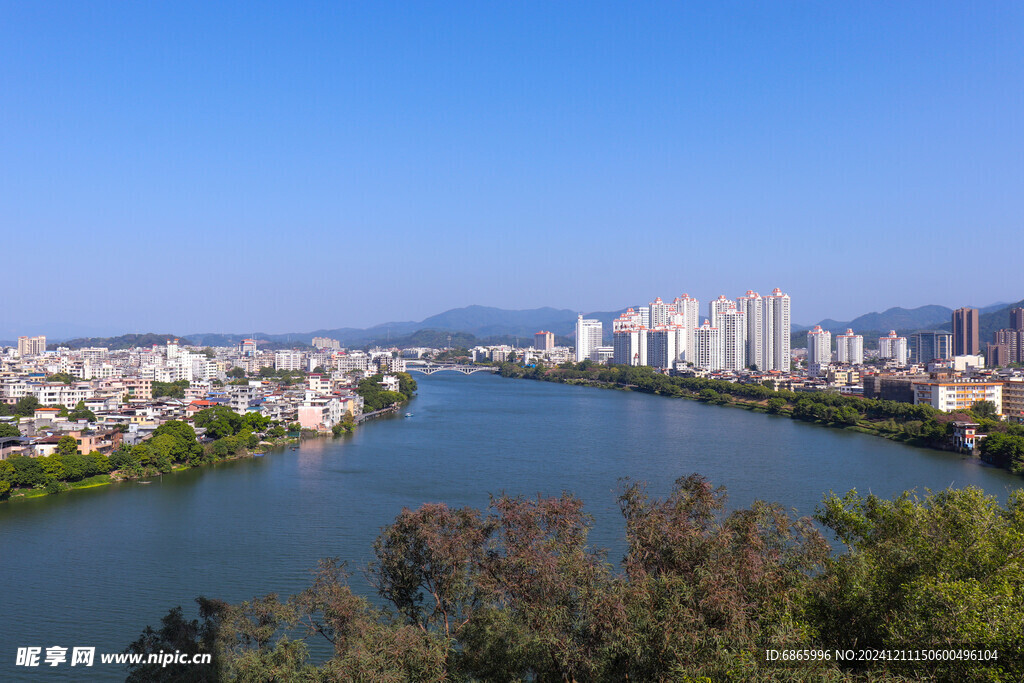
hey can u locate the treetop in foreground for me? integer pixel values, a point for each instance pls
(516, 592)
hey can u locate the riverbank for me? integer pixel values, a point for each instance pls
(116, 477)
(915, 425)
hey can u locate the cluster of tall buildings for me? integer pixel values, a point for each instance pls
(1007, 345)
(750, 331)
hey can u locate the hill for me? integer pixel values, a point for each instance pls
(125, 341)
(923, 317)
(483, 322)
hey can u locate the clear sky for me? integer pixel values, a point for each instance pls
(205, 166)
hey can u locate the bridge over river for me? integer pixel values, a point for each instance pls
(431, 368)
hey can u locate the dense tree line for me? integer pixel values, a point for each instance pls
(376, 397)
(516, 592)
(173, 444)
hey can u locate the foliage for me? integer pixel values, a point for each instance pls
(62, 378)
(985, 410)
(943, 571)
(516, 592)
(1005, 450)
(26, 406)
(8, 429)
(81, 413)
(176, 634)
(374, 395)
(170, 389)
(236, 373)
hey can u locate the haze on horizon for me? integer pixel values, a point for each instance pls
(192, 168)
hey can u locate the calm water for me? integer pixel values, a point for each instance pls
(93, 567)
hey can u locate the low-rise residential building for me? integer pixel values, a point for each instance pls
(1013, 400)
(958, 394)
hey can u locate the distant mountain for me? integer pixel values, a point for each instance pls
(921, 318)
(480, 321)
(125, 341)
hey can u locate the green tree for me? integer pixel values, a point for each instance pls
(26, 406)
(236, 373)
(985, 410)
(170, 389)
(936, 571)
(82, 413)
(67, 445)
(8, 429)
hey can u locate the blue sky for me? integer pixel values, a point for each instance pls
(192, 167)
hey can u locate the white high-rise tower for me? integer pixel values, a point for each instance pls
(777, 331)
(752, 306)
(733, 326)
(850, 348)
(708, 341)
(819, 348)
(687, 316)
(718, 306)
(588, 338)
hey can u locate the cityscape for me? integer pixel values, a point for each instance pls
(746, 340)
(451, 342)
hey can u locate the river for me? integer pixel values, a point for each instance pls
(93, 567)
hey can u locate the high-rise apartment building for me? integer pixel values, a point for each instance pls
(661, 347)
(752, 306)
(708, 343)
(658, 313)
(629, 346)
(965, 332)
(893, 347)
(819, 347)
(733, 326)
(777, 331)
(1008, 346)
(717, 307)
(850, 348)
(544, 340)
(686, 316)
(326, 343)
(588, 338)
(31, 346)
(1017, 318)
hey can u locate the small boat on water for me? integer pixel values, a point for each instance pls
(145, 482)
(295, 448)
(408, 414)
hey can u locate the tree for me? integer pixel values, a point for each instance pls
(26, 406)
(219, 421)
(985, 410)
(937, 571)
(236, 373)
(170, 389)
(8, 429)
(67, 445)
(183, 448)
(81, 413)
(177, 634)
